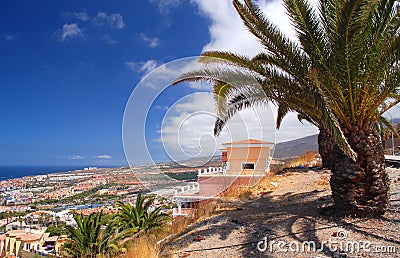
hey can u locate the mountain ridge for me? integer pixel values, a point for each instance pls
(283, 150)
(296, 147)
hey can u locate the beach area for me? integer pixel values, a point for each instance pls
(11, 172)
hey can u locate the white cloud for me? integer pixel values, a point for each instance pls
(292, 128)
(131, 65)
(144, 66)
(226, 29)
(104, 156)
(114, 20)
(162, 107)
(110, 41)
(150, 41)
(70, 31)
(187, 129)
(148, 66)
(81, 16)
(226, 24)
(165, 5)
(10, 37)
(229, 34)
(202, 86)
(393, 113)
(165, 74)
(76, 157)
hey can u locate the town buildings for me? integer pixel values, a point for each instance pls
(16, 243)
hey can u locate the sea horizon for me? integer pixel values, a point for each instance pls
(18, 171)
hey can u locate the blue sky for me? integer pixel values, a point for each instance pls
(63, 92)
(68, 68)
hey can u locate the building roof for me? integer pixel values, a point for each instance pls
(247, 142)
(15, 232)
(51, 239)
(28, 237)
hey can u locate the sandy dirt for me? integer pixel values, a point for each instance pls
(286, 213)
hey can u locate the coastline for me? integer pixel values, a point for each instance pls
(11, 172)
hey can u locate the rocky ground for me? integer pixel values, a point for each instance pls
(286, 213)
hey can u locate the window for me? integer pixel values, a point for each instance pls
(247, 165)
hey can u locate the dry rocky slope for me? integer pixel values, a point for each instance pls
(287, 208)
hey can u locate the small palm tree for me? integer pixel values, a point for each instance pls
(30, 221)
(87, 240)
(132, 220)
(57, 220)
(42, 219)
(20, 219)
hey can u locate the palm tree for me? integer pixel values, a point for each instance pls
(346, 59)
(42, 219)
(87, 240)
(48, 219)
(132, 220)
(20, 219)
(230, 100)
(57, 220)
(30, 221)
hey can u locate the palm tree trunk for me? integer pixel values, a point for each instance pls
(325, 147)
(360, 188)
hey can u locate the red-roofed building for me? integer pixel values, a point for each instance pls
(244, 164)
(248, 157)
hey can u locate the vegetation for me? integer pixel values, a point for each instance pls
(88, 240)
(152, 245)
(190, 176)
(133, 220)
(143, 247)
(57, 230)
(5, 215)
(99, 235)
(305, 160)
(80, 198)
(342, 75)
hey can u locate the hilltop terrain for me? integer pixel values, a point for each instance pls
(287, 208)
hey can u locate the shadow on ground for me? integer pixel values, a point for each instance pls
(293, 218)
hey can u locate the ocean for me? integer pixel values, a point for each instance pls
(10, 172)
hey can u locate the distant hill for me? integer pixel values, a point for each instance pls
(395, 120)
(194, 163)
(203, 162)
(296, 147)
(283, 150)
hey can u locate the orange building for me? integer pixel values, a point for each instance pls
(247, 157)
(244, 163)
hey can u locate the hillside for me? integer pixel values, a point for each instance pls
(296, 147)
(287, 208)
(283, 150)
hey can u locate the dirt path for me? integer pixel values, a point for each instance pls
(288, 211)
